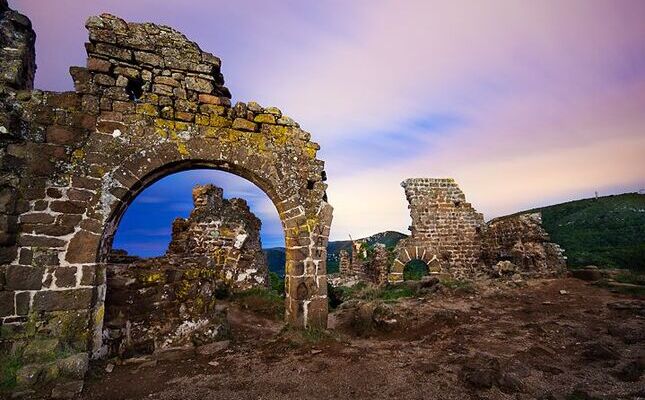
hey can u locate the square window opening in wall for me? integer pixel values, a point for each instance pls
(134, 88)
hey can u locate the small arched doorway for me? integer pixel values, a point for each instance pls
(412, 262)
(414, 270)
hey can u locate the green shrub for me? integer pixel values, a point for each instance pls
(9, 366)
(276, 283)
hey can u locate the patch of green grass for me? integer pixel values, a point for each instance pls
(631, 277)
(363, 291)
(395, 293)
(458, 284)
(315, 335)
(9, 366)
(263, 301)
(296, 337)
(276, 283)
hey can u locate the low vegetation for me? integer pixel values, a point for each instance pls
(263, 301)
(606, 231)
(9, 366)
(364, 291)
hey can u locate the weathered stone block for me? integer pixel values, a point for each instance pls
(244, 125)
(67, 207)
(23, 300)
(69, 299)
(265, 118)
(215, 100)
(82, 248)
(113, 51)
(20, 277)
(41, 350)
(59, 135)
(74, 366)
(7, 303)
(67, 390)
(98, 64)
(198, 84)
(65, 277)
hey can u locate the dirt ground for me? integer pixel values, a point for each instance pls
(510, 343)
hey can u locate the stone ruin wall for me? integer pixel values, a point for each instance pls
(522, 241)
(173, 300)
(361, 264)
(344, 262)
(148, 103)
(226, 234)
(445, 230)
(450, 236)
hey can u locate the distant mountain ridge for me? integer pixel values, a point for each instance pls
(606, 231)
(276, 255)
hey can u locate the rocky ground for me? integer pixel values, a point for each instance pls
(552, 339)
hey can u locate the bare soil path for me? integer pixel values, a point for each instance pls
(512, 343)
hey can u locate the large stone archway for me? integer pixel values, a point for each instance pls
(148, 103)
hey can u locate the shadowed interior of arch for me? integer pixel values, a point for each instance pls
(414, 270)
(145, 227)
(184, 247)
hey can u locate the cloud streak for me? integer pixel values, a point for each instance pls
(524, 103)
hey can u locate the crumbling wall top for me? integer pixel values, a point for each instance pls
(156, 57)
(17, 54)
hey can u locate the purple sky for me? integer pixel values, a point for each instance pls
(524, 103)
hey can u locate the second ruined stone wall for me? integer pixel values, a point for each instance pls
(443, 221)
(522, 240)
(226, 234)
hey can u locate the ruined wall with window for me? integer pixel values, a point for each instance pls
(450, 236)
(445, 230)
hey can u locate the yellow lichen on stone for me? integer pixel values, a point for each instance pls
(182, 149)
(161, 133)
(226, 232)
(258, 141)
(243, 124)
(147, 109)
(310, 150)
(164, 123)
(212, 132)
(218, 121)
(182, 126)
(78, 154)
(280, 134)
(100, 313)
(264, 119)
(201, 119)
(233, 135)
(212, 109)
(155, 277)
